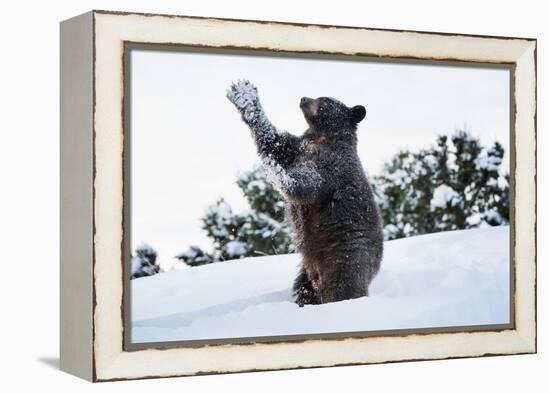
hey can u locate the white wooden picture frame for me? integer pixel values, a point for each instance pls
(93, 196)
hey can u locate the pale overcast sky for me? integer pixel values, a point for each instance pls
(188, 142)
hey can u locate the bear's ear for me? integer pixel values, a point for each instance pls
(358, 113)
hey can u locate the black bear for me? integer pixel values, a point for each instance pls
(330, 203)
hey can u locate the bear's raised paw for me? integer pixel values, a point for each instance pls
(244, 95)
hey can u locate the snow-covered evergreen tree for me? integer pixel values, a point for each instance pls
(261, 230)
(455, 184)
(143, 262)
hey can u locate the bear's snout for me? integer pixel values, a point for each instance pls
(309, 106)
(305, 101)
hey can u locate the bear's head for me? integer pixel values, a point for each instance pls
(328, 116)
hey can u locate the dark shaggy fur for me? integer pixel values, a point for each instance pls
(330, 202)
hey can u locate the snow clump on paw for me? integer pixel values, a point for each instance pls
(244, 95)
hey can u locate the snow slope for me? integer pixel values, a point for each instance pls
(443, 279)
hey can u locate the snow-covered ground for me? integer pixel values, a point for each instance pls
(445, 279)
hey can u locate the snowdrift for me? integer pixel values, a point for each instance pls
(455, 278)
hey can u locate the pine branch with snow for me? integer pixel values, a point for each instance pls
(454, 184)
(144, 262)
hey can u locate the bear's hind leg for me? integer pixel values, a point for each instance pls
(345, 282)
(304, 292)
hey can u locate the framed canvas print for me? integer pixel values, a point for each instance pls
(245, 195)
